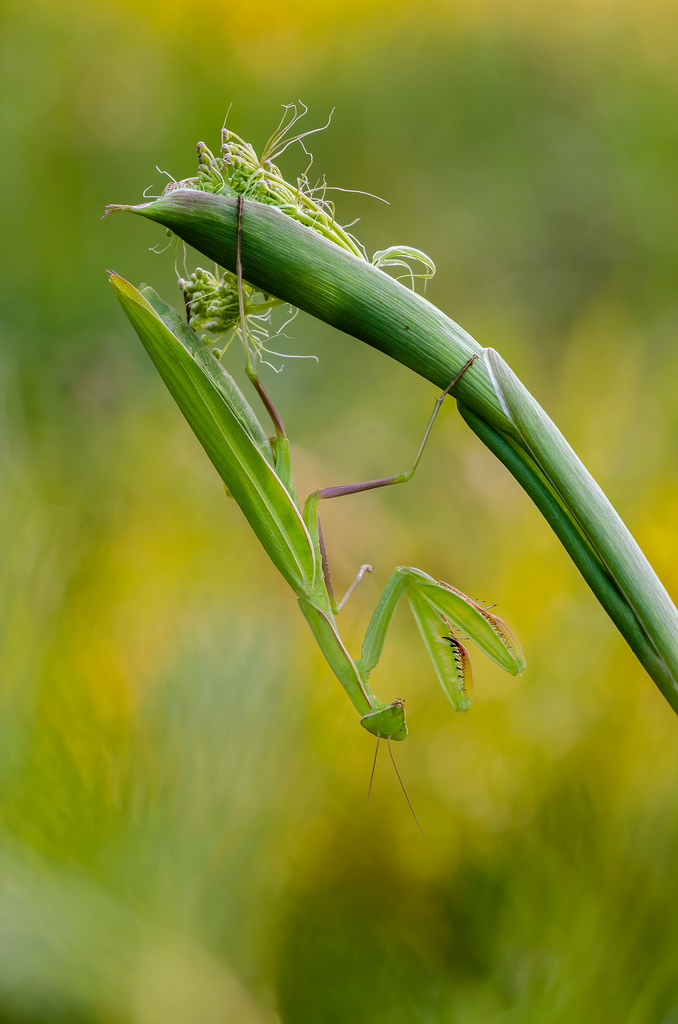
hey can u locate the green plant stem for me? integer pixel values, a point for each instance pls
(296, 264)
(578, 547)
(329, 283)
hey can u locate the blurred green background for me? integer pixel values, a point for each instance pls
(184, 834)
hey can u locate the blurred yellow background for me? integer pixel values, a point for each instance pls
(182, 783)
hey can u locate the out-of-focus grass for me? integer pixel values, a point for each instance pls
(182, 784)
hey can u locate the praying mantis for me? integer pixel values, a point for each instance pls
(257, 473)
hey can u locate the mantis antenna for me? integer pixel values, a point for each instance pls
(402, 784)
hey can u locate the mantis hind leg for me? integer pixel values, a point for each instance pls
(311, 508)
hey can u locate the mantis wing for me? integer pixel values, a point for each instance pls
(227, 428)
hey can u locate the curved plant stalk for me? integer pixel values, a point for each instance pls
(283, 258)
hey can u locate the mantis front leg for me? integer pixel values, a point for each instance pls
(439, 611)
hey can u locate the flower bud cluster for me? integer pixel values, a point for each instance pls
(211, 302)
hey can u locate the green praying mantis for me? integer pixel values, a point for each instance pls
(256, 470)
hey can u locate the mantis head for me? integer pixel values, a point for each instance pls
(386, 722)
